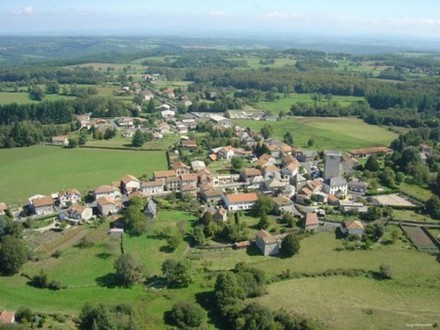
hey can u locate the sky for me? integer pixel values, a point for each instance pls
(418, 19)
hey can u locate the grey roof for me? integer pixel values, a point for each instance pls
(338, 181)
(151, 208)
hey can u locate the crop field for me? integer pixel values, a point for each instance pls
(46, 169)
(284, 103)
(329, 133)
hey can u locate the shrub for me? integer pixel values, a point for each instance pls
(187, 315)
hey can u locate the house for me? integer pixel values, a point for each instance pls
(264, 160)
(129, 183)
(106, 191)
(332, 166)
(251, 175)
(189, 145)
(84, 121)
(219, 214)
(270, 171)
(211, 196)
(148, 95)
(303, 195)
(288, 191)
(60, 140)
(188, 189)
(273, 185)
(7, 317)
(269, 244)
(366, 152)
(352, 228)
(205, 179)
(163, 175)
(163, 128)
(163, 107)
(169, 93)
(357, 186)
(150, 209)
(220, 120)
(125, 121)
(226, 152)
(68, 197)
(278, 148)
(76, 213)
(107, 205)
(167, 114)
(180, 167)
(310, 221)
(336, 186)
(185, 100)
(283, 204)
(189, 179)
(212, 157)
(299, 181)
(349, 206)
(3, 209)
(198, 165)
(173, 183)
(240, 201)
(137, 193)
(41, 205)
(348, 164)
(307, 156)
(152, 188)
(290, 170)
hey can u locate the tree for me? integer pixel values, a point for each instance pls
(128, 270)
(388, 177)
(237, 163)
(23, 315)
(150, 106)
(290, 245)
(385, 271)
(186, 315)
(198, 235)
(138, 139)
(37, 93)
(264, 204)
(432, 207)
(73, 142)
(373, 213)
(311, 142)
(174, 241)
(372, 164)
(13, 255)
(177, 273)
(255, 317)
(92, 318)
(109, 133)
(135, 222)
(266, 131)
(206, 218)
(264, 222)
(288, 138)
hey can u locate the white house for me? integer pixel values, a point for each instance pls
(107, 205)
(60, 140)
(240, 201)
(336, 186)
(352, 228)
(41, 205)
(227, 152)
(129, 183)
(68, 197)
(152, 188)
(106, 191)
(76, 213)
(168, 114)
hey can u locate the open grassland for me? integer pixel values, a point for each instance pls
(415, 191)
(23, 98)
(409, 215)
(356, 303)
(284, 103)
(120, 142)
(45, 169)
(328, 133)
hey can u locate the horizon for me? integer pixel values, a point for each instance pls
(256, 19)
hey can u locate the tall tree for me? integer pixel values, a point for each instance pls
(128, 270)
(138, 139)
(13, 254)
(290, 245)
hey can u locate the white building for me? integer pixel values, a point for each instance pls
(241, 201)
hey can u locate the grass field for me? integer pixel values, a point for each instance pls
(45, 169)
(328, 133)
(120, 142)
(415, 191)
(284, 103)
(23, 98)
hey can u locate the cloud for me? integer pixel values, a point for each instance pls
(26, 11)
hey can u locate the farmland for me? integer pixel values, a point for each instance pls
(328, 133)
(44, 169)
(23, 98)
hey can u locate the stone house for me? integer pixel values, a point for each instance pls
(269, 244)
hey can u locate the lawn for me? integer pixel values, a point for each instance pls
(46, 169)
(329, 133)
(409, 215)
(415, 191)
(284, 103)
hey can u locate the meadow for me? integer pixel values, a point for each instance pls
(329, 133)
(23, 98)
(120, 142)
(47, 169)
(284, 103)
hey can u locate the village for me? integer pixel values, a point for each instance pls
(225, 179)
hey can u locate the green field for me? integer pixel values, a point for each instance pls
(415, 191)
(23, 98)
(284, 103)
(120, 142)
(46, 169)
(328, 133)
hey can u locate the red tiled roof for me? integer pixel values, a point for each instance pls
(7, 317)
(311, 219)
(42, 201)
(372, 150)
(128, 178)
(105, 189)
(164, 174)
(189, 177)
(242, 198)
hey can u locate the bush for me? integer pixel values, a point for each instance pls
(290, 245)
(23, 315)
(187, 315)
